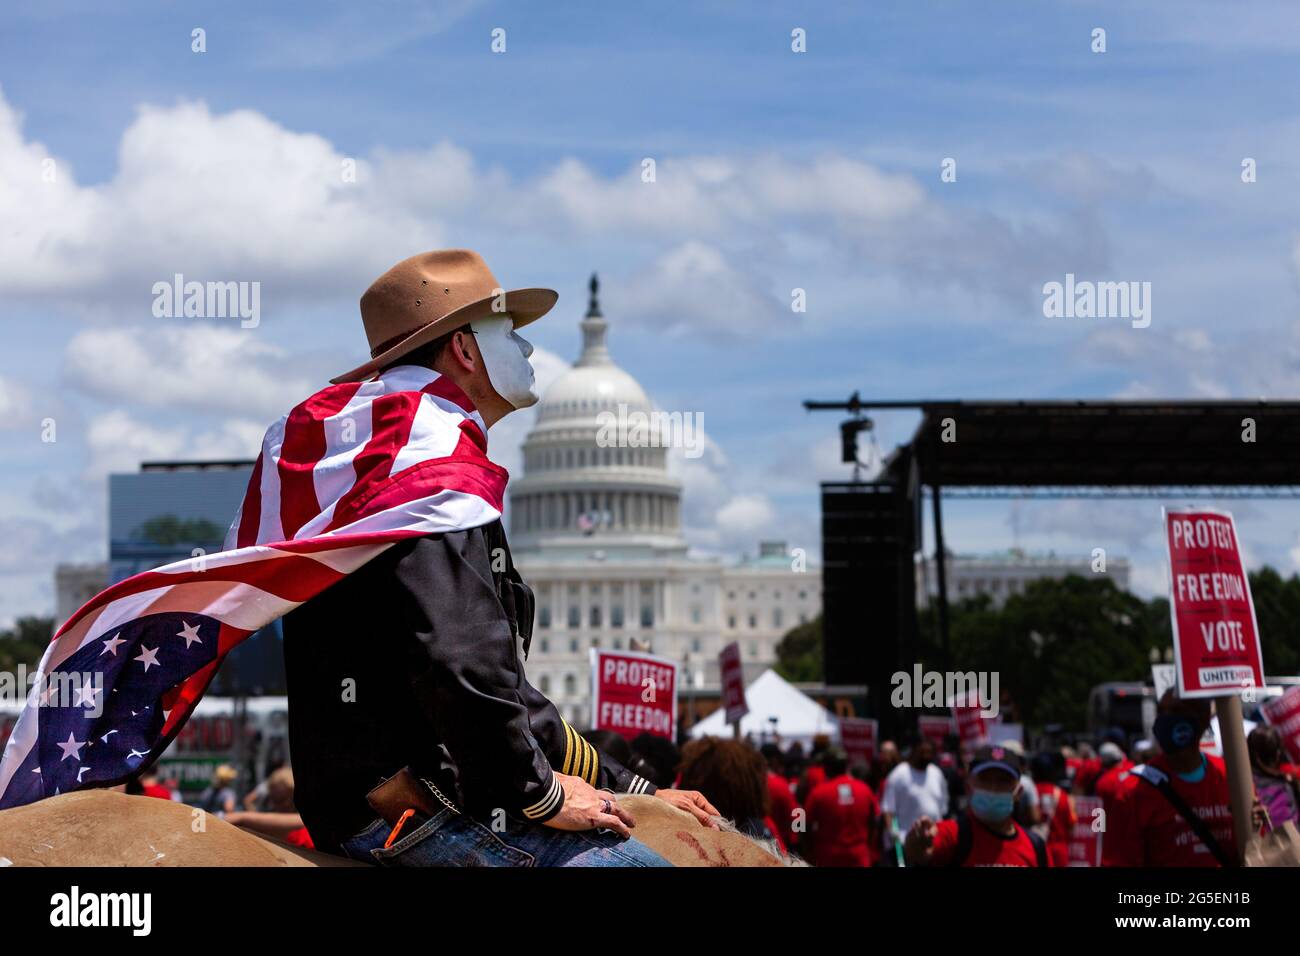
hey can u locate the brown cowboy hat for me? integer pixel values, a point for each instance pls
(432, 294)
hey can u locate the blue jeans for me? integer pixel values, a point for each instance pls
(454, 839)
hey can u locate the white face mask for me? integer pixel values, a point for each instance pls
(505, 355)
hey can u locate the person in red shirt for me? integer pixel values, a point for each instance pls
(1072, 765)
(815, 772)
(1085, 776)
(1115, 779)
(1145, 828)
(151, 787)
(843, 817)
(1115, 764)
(987, 834)
(1056, 805)
(283, 826)
(783, 804)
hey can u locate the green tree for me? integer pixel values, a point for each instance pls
(799, 653)
(168, 530)
(1277, 610)
(1051, 644)
(25, 642)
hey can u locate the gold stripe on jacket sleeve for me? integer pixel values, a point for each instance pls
(580, 758)
(568, 748)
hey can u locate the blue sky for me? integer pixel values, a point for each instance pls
(775, 171)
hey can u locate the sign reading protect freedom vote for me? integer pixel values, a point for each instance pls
(1216, 638)
(633, 693)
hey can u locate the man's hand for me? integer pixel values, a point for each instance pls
(584, 809)
(693, 802)
(919, 841)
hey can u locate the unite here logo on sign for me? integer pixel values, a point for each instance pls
(633, 693)
(1216, 638)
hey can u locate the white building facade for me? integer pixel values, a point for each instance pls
(1003, 574)
(595, 529)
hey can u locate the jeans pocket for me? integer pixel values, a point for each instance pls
(357, 847)
(451, 839)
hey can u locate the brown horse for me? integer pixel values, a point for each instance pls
(105, 828)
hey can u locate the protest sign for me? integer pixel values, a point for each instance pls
(633, 693)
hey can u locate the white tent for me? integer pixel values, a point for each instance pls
(798, 716)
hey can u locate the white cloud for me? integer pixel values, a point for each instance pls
(748, 516)
(1187, 362)
(693, 286)
(716, 195)
(202, 367)
(236, 196)
(117, 442)
(1087, 177)
(231, 196)
(15, 404)
(719, 515)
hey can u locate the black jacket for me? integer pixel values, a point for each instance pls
(414, 659)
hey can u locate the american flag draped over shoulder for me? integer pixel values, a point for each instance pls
(342, 477)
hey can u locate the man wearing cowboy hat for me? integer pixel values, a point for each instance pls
(477, 766)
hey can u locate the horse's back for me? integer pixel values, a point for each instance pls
(683, 841)
(106, 828)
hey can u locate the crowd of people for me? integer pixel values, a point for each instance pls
(267, 808)
(1162, 802)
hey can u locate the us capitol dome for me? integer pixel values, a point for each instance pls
(595, 525)
(588, 484)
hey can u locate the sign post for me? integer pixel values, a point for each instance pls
(733, 686)
(1216, 637)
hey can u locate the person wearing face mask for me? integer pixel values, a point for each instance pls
(986, 834)
(416, 738)
(1177, 811)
